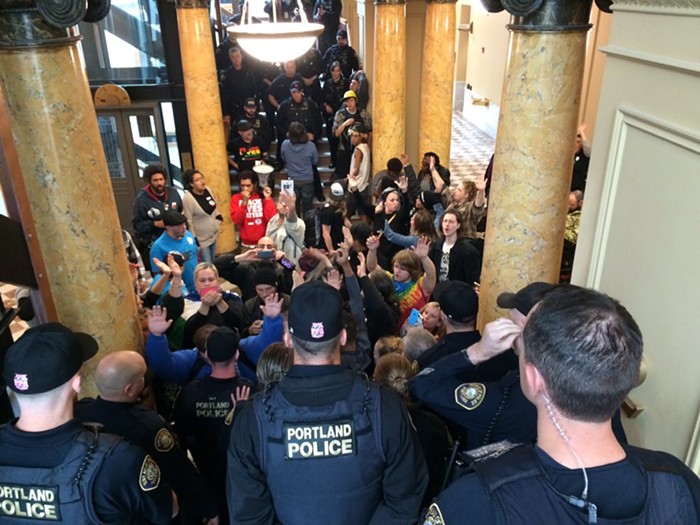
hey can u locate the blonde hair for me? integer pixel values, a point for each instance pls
(205, 266)
(394, 371)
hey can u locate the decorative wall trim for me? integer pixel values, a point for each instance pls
(666, 62)
(626, 119)
(661, 7)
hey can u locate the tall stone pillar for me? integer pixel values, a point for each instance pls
(437, 78)
(534, 147)
(389, 87)
(63, 188)
(204, 109)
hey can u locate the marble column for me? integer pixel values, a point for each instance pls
(204, 109)
(68, 211)
(437, 78)
(389, 86)
(534, 147)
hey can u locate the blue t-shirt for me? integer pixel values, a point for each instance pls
(187, 246)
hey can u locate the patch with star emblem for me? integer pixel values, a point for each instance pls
(434, 516)
(164, 440)
(470, 395)
(149, 477)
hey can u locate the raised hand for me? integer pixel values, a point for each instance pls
(272, 306)
(373, 243)
(362, 267)
(402, 182)
(332, 277)
(158, 322)
(422, 248)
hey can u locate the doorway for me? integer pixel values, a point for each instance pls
(133, 137)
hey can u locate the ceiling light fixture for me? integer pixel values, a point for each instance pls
(275, 41)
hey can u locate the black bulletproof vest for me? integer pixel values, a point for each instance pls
(518, 477)
(61, 494)
(323, 464)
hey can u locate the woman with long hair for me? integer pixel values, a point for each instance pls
(203, 218)
(454, 257)
(421, 225)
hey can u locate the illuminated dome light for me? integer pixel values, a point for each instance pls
(276, 42)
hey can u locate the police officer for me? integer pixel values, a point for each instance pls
(337, 449)
(580, 354)
(459, 305)
(204, 410)
(468, 388)
(298, 108)
(120, 379)
(54, 469)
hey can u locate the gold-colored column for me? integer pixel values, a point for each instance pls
(437, 78)
(533, 160)
(68, 211)
(389, 86)
(204, 109)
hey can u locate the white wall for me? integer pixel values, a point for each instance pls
(640, 232)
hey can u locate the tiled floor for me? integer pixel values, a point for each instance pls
(470, 149)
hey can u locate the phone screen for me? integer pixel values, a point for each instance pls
(266, 254)
(287, 186)
(205, 291)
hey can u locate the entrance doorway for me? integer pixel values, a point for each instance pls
(133, 137)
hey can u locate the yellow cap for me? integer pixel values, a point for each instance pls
(349, 94)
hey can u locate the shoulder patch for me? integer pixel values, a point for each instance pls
(149, 477)
(434, 516)
(164, 440)
(470, 395)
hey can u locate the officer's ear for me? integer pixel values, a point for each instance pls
(535, 383)
(76, 383)
(343, 337)
(287, 338)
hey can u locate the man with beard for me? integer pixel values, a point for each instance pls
(342, 53)
(150, 205)
(261, 126)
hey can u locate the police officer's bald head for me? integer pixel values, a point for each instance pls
(120, 376)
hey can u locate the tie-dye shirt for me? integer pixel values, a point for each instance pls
(411, 295)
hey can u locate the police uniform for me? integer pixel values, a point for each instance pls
(145, 428)
(203, 416)
(70, 474)
(448, 345)
(345, 55)
(526, 486)
(324, 446)
(306, 112)
(482, 409)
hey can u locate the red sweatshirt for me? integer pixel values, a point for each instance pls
(252, 219)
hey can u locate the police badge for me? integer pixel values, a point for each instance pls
(164, 440)
(434, 516)
(470, 395)
(149, 477)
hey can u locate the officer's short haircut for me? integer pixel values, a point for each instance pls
(416, 341)
(153, 169)
(588, 349)
(315, 347)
